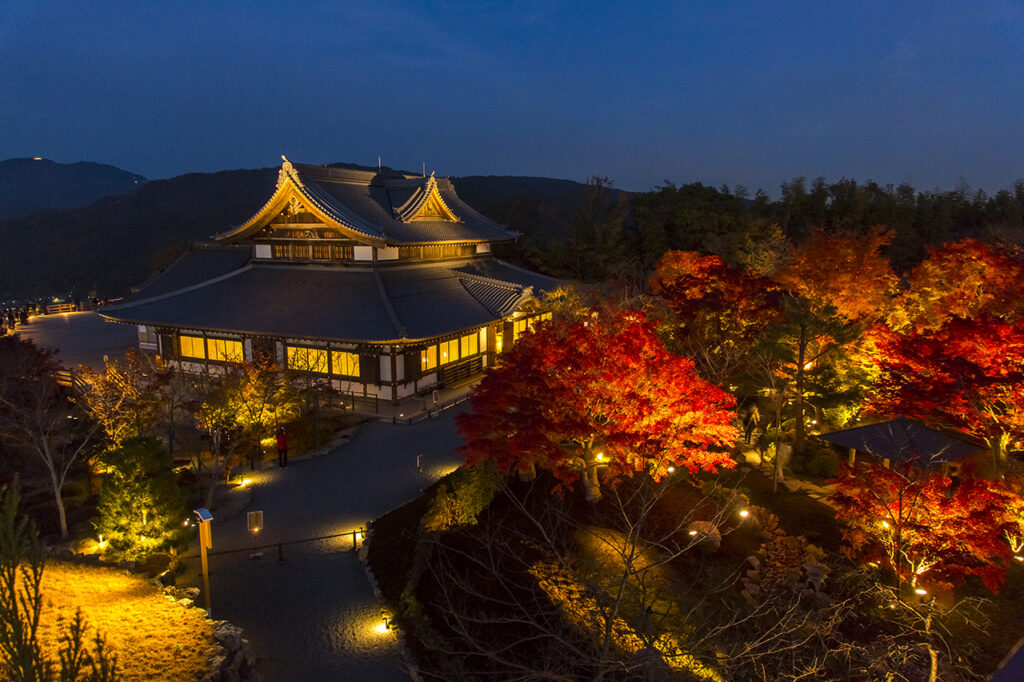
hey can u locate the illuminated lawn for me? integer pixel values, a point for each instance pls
(154, 638)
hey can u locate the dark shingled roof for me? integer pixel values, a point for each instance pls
(376, 205)
(358, 304)
(902, 440)
(198, 264)
(495, 269)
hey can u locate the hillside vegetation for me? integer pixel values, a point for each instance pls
(31, 185)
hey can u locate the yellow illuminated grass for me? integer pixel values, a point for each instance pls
(154, 638)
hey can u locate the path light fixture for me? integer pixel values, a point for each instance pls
(203, 520)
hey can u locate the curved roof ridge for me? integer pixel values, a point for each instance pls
(326, 203)
(177, 292)
(472, 276)
(385, 299)
(407, 211)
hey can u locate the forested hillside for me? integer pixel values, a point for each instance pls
(31, 185)
(119, 241)
(588, 232)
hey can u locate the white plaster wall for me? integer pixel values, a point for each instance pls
(362, 253)
(262, 251)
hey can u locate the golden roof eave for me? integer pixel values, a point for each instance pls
(290, 187)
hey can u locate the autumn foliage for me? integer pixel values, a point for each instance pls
(965, 279)
(599, 392)
(926, 529)
(843, 270)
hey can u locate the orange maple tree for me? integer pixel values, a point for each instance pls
(844, 270)
(964, 279)
(603, 392)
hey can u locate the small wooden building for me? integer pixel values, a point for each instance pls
(383, 282)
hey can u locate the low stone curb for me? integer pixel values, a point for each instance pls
(403, 647)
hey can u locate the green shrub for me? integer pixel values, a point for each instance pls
(141, 507)
(461, 497)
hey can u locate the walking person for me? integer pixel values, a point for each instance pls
(282, 447)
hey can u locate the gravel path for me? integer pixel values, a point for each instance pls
(314, 615)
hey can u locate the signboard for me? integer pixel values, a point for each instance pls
(255, 521)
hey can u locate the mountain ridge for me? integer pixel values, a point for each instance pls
(118, 241)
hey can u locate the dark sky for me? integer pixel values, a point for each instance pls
(750, 93)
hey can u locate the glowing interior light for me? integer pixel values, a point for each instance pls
(921, 591)
(745, 513)
(244, 482)
(671, 470)
(885, 524)
(693, 532)
(600, 457)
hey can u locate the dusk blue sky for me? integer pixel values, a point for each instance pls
(719, 92)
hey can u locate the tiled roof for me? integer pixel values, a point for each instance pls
(499, 270)
(315, 302)
(198, 264)
(381, 206)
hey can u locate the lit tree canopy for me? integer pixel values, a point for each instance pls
(602, 391)
(843, 270)
(141, 506)
(924, 529)
(966, 374)
(964, 279)
(720, 310)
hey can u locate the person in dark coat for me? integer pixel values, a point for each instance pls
(282, 447)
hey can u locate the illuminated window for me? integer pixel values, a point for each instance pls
(307, 359)
(519, 328)
(300, 251)
(224, 350)
(321, 251)
(193, 347)
(428, 358)
(522, 325)
(468, 345)
(449, 351)
(344, 363)
(499, 337)
(483, 339)
(341, 252)
(280, 250)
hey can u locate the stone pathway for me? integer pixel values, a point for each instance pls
(313, 616)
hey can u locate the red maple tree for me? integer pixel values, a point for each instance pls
(965, 374)
(720, 310)
(601, 392)
(926, 530)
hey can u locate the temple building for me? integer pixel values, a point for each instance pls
(382, 281)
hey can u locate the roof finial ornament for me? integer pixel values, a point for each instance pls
(287, 171)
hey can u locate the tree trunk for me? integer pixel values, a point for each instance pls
(799, 433)
(527, 475)
(60, 505)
